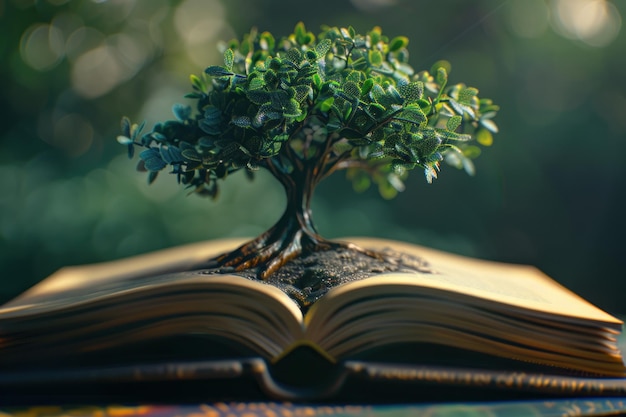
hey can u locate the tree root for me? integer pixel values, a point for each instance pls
(306, 266)
(265, 255)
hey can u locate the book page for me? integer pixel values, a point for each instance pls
(121, 272)
(74, 285)
(519, 286)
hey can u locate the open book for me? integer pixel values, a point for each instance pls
(477, 316)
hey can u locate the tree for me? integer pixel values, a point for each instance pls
(303, 107)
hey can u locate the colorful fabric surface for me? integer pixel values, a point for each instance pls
(569, 407)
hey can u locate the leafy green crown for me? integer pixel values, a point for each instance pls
(352, 100)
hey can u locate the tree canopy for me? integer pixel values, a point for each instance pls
(317, 103)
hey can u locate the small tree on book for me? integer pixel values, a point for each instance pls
(303, 107)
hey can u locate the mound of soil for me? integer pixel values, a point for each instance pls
(308, 277)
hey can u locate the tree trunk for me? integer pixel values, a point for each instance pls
(293, 234)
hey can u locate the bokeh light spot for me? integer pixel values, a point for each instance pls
(67, 23)
(96, 72)
(133, 50)
(42, 46)
(199, 23)
(82, 40)
(594, 22)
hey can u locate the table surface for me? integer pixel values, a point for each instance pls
(558, 407)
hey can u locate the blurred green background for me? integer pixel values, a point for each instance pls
(549, 192)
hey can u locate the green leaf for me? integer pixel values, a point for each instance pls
(396, 182)
(412, 114)
(300, 33)
(399, 167)
(152, 176)
(124, 140)
(454, 122)
(375, 35)
(441, 64)
(270, 149)
(282, 138)
(294, 56)
(360, 181)
(342, 146)
(398, 43)
(366, 87)
(441, 76)
(412, 91)
(242, 121)
(171, 155)
(258, 96)
(159, 137)
(229, 57)
(256, 83)
(377, 93)
(468, 166)
(387, 190)
(393, 95)
(136, 129)
(488, 124)
(351, 90)
(279, 99)
(245, 47)
(264, 114)
(267, 41)
(317, 81)
(181, 112)
(467, 94)
(472, 151)
(347, 110)
(462, 108)
(125, 125)
(152, 160)
(211, 122)
(206, 142)
(302, 92)
(425, 105)
(322, 48)
(310, 55)
(428, 145)
(197, 83)
(292, 109)
(484, 137)
(216, 71)
(270, 77)
(192, 155)
(327, 104)
(448, 135)
(375, 58)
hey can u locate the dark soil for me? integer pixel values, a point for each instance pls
(308, 277)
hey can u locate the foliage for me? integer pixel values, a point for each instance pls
(338, 100)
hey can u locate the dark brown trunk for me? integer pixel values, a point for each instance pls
(293, 234)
